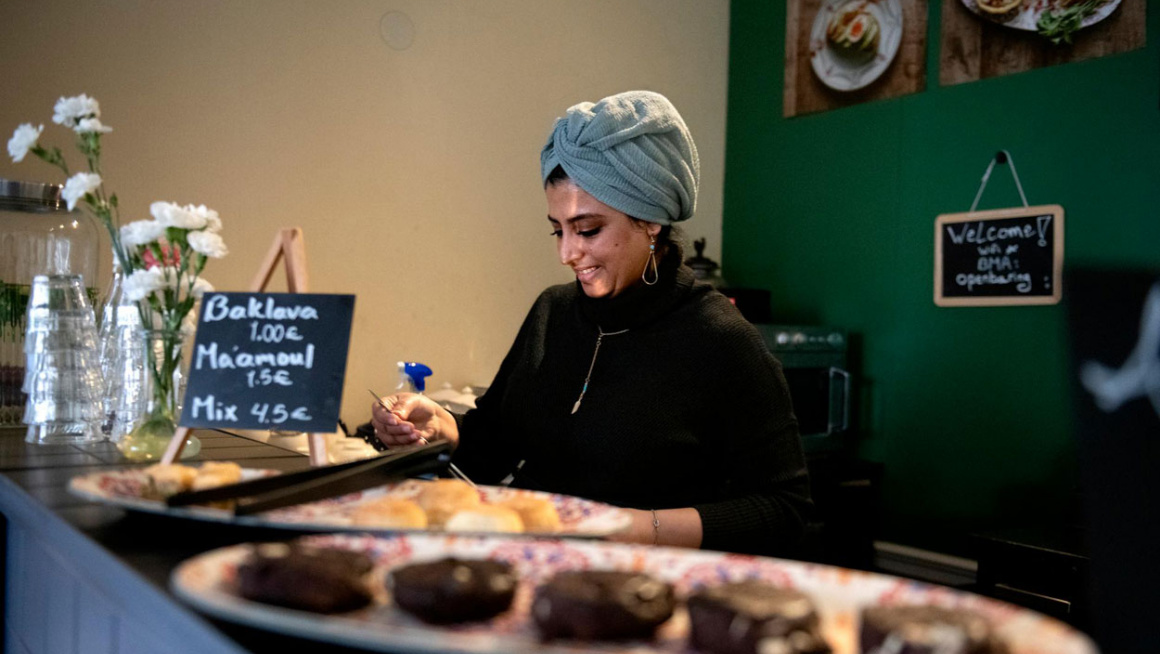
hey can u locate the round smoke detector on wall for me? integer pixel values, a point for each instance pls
(397, 30)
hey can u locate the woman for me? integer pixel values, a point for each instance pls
(633, 386)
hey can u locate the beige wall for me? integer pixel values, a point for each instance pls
(414, 172)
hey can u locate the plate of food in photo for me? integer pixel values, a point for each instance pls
(411, 505)
(445, 593)
(853, 42)
(1057, 20)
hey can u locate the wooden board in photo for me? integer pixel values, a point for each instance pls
(974, 48)
(804, 93)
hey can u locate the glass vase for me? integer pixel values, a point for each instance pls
(125, 366)
(120, 344)
(164, 385)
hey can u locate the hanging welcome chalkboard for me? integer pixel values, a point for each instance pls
(1000, 257)
(268, 360)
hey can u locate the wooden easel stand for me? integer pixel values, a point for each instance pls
(289, 246)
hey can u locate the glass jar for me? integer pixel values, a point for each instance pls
(38, 236)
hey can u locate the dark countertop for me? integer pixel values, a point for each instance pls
(147, 547)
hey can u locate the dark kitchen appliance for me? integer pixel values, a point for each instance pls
(815, 361)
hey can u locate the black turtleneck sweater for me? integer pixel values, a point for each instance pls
(688, 408)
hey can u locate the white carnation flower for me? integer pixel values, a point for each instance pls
(161, 211)
(140, 283)
(201, 287)
(87, 125)
(23, 140)
(171, 215)
(78, 186)
(140, 232)
(68, 111)
(212, 221)
(208, 243)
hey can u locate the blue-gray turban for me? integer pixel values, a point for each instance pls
(632, 152)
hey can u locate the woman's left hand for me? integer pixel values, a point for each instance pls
(674, 527)
(639, 531)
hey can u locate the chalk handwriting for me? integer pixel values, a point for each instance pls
(206, 355)
(214, 410)
(980, 234)
(1021, 280)
(219, 308)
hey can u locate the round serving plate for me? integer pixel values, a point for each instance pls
(842, 73)
(1027, 16)
(579, 517)
(208, 583)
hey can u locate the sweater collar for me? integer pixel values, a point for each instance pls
(641, 304)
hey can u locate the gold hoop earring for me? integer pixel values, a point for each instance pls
(651, 263)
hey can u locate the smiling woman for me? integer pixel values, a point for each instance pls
(634, 385)
(608, 250)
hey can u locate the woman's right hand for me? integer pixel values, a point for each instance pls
(412, 418)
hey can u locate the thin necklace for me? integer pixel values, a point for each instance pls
(600, 334)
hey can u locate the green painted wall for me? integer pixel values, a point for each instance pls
(833, 212)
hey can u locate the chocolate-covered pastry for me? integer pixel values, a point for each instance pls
(304, 577)
(601, 605)
(926, 630)
(750, 617)
(453, 590)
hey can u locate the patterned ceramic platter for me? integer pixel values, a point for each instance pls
(841, 73)
(1027, 16)
(123, 488)
(208, 582)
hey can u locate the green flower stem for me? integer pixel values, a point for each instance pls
(165, 344)
(100, 209)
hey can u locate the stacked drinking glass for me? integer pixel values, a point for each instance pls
(62, 373)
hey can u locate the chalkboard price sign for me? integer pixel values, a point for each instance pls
(1000, 257)
(268, 361)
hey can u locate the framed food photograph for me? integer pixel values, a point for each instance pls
(843, 52)
(990, 38)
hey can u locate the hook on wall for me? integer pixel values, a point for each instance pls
(1001, 157)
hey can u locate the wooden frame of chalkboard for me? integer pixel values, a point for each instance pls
(1002, 257)
(289, 247)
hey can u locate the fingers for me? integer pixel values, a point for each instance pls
(403, 433)
(392, 426)
(392, 410)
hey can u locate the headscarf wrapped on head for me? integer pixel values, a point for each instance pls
(632, 151)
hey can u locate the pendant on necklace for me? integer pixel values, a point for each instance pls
(600, 334)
